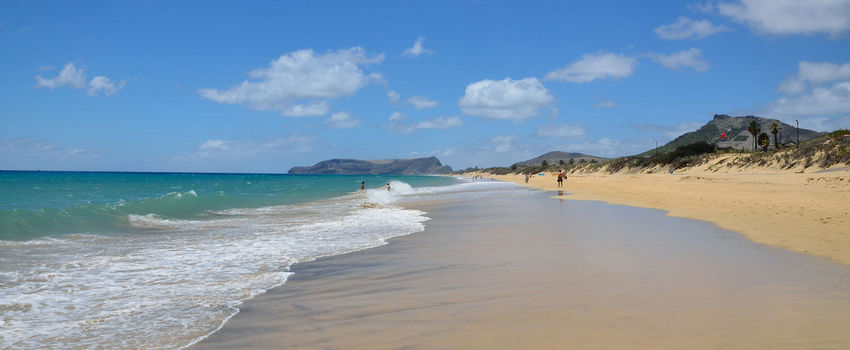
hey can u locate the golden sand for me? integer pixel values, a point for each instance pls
(804, 212)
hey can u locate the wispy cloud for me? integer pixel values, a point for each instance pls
(393, 96)
(686, 28)
(221, 149)
(606, 104)
(397, 123)
(301, 83)
(690, 58)
(421, 102)
(342, 120)
(814, 73)
(565, 130)
(70, 76)
(594, 67)
(505, 99)
(29, 153)
(75, 78)
(789, 17)
(418, 49)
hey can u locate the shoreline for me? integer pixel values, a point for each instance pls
(803, 212)
(518, 270)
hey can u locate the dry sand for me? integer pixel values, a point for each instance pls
(805, 212)
(517, 270)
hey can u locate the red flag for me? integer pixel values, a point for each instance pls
(723, 135)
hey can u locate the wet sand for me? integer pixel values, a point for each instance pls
(808, 213)
(516, 269)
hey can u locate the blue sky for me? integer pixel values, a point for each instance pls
(263, 86)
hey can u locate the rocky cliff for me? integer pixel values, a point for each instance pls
(417, 166)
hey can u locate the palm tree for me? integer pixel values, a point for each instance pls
(764, 141)
(774, 129)
(754, 129)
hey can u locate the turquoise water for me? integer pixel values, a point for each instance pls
(161, 260)
(37, 204)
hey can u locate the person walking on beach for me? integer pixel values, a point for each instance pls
(388, 186)
(560, 179)
(526, 178)
(362, 185)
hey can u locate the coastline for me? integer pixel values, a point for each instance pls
(518, 270)
(804, 212)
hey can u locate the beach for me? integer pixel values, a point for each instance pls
(804, 212)
(510, 267)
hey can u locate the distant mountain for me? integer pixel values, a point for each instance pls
(417, 166)
(737, 135)
(554, 157)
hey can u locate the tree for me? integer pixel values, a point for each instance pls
(764, 141)
(572, 161)
(774, 129)
(561, 162)
(754, 130)
(513, 167)
(545, 163)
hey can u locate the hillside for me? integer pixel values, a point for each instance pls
(554, 158)
(737, 136)
(823, 152)
(417, 166)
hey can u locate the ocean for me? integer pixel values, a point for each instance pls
(162, 260)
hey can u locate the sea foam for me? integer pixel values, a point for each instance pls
(177, 281)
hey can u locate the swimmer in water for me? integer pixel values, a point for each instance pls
(388, 186)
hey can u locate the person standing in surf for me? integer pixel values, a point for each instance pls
(388, 186)
(362, 185)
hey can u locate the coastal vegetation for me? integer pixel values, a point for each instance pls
(828, 150)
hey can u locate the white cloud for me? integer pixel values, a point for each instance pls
(214, 145)
(342, 120)
(421, 102)
(814, 73)
(220, 149)
(70, 76)
(440, 123)
(505, 99)
(417, 48)
(788, 17)
(301, 83)
(394, 96)
(396, 116)
(606, 104)
(595, 66)
(564, 130)
(396, 123)
(691, 58)
(502, 144)
(102, 84)
(685, 28)
(75, 78)
(819, 101)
